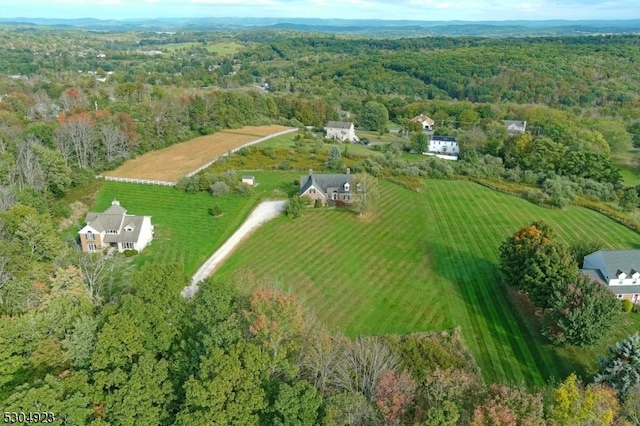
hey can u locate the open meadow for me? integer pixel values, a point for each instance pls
(175, 161)
(428, 261)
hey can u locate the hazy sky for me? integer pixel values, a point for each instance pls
(430, 10)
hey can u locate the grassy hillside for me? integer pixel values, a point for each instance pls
(427, 261)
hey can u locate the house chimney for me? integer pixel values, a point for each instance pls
(310, 172)
(348, 171)
(115, 203)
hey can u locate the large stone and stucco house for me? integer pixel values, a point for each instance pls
(341, 131)
(618, 269)
(115, 229)
(328, 188)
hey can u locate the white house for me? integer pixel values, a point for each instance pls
(425, 121)
(515, 127)
(341, 131)
(618, 269)
(444, 145)
(249, 180)
(116, 229)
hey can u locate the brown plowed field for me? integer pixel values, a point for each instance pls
(174, 162)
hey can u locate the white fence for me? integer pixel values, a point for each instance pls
(166, 183)
(257, 141)
(143, 181)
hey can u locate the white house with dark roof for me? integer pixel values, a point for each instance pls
(115, 229)
(444, 145)
(328, 188)
(618, 269)
(515, 127)
(341, 131)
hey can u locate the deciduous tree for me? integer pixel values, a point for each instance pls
(366, 192)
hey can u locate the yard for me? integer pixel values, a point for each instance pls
(427, 261)
(175, 161)
(185, 232)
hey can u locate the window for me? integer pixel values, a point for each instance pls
(92, 247)
(334, 195)
(312, 191)
(347, 197)
(127, 246)
(346, 186)
(619, 296)
(90, 236)
(111, 231)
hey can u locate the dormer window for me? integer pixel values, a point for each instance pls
(346, 187)
(112, 231)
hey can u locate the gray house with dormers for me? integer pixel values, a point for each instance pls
(618, 269)
(328, 188)
(115, 229)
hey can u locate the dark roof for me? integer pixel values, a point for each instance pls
(444, 138)
(594, 274)
(126, 236)
(339, 125)
(616, 261)
(322, 182)
(624, 289)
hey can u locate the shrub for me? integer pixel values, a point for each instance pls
(216, 210)
(193, 185)
(244, 189)
(244, 151)
(219, 189)
(181, 185)
(317, 203)
(627, 305)
(129, 253)
(295, 206)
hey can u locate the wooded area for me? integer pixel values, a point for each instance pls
(98, 342)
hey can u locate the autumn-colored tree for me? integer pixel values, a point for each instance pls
(275, 321)
(506, 405)
(534, 262)
(394, 393)
(574, 404)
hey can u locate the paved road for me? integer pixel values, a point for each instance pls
(266, 211)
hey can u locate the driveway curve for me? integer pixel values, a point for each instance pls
(265, 211)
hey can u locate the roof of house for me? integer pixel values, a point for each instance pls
(116, 218)
(444, 138)
(515, 124)
(423, 118)
(322, 182)
(339, 125)
(617, 261)
(248, 177)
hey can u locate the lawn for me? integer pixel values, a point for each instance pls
(626, 161)
(427, 261)
(185, 232)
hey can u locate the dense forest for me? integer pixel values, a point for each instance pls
(95, 342)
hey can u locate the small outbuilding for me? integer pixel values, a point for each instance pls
(249, 180)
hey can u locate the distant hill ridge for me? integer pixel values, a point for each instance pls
(362, 26)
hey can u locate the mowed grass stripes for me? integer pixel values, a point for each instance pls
(185, 232)
(427, 261)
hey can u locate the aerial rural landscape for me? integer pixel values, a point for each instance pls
(268, 214)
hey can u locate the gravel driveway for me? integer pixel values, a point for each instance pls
(265, 211)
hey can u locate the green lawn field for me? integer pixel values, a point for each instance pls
(184, 230)
(428, 261)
